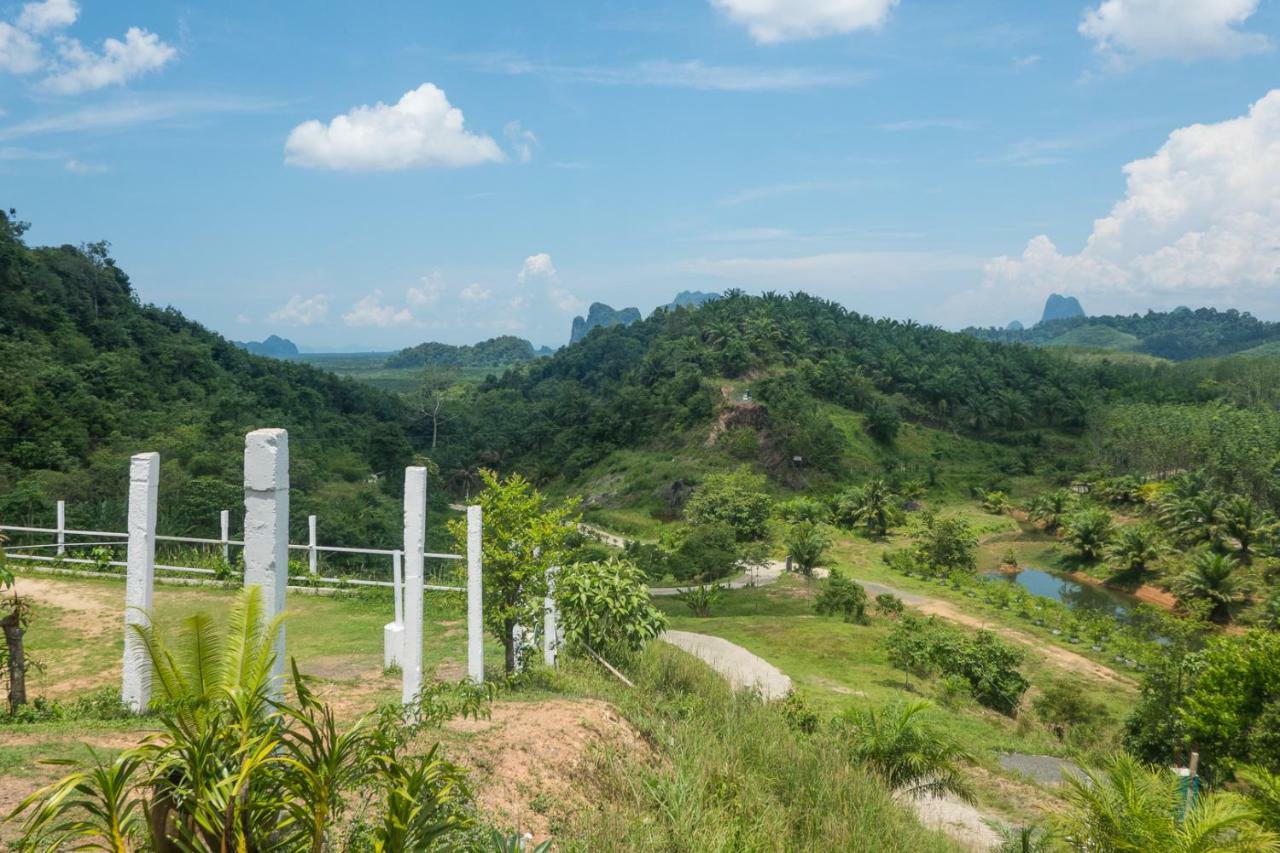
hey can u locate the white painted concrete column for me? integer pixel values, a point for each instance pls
(550, 620)
(144, 487)
(62, 528)
(393, 632)
(266, 526)
(415, 540)
(224, 522)
(311, 543)
(475, 597)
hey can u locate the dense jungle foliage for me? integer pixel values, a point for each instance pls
(1178, 335)
(495, 352)
(89, 375)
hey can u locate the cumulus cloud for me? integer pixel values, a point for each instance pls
(537, 266)
(301, 311)
(82, 70)
(1136, 30)
(19, 52)
(474, 292)
(48, 15)
(420, 130)
(771, 21)
(1200, 216)
(370, 311)
(521, 140)
(427, 292)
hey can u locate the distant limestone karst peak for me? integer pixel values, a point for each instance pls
(1059, 307)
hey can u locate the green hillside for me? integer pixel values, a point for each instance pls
(1096, 337)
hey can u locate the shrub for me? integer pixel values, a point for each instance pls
(803, 509)
(888, 604)
(842, 597)
(947, 545)
(912, 756)
(700, 599)
(606, 607)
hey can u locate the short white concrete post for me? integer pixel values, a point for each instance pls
(266, 527)
(393, 632)
(224, 521)
(519, 639)
(550, 620)
(62, 528)
(475, 597)
(144, 486)
(415, 536)
(311, 543)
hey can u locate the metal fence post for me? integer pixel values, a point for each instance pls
(144, 487)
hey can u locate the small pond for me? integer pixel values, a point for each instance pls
(1075, 595)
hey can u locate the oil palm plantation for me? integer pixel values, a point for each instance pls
(1246, 523)
(1211, 578)
(1127, 807)
(233, 767)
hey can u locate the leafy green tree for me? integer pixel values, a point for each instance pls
(883, 421)
(1126, 806)
(842, 597)
(705, 552)
(874, 506)
(1197, 519)
(523, 538)
(736, 498)
(995, 501)
(1070, 712)
(807, 544)
(1089, 533)
(1211, 578)
(947, 544)
(911, 755)
(803, 508)
(1135, 548)
(1231, 709)
(909, 648)
(605, 607)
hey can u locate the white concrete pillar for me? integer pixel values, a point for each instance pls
(475, 597)
(393, 631)
(224, 523)
(266, 527)
(144, 486)
(415, 540)
(311, 543)
(550, 620)
(62, 528)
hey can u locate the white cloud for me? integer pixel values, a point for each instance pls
(1129, 30)
(301, 311)
(687, 74)
(370, 311)
(42, 17)
(421, 130)
(19, 52)
(474, 292)
(79, 167)
(81, 70)
(428, 292)
(565, 301)
(1200, 216)
(521, 140)
(771, 21)
(244, 320)
(132, 113)
(537, 266)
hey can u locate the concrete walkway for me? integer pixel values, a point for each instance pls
(762, 576)
(742, 669)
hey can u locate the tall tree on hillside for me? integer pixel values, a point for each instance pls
(523, 537)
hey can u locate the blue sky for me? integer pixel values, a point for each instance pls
(303, 169)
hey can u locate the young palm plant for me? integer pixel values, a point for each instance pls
(234, 768)
(1135, 548)
(913, 757)
(1089, 532)
(1127, 806)
(1211, 578)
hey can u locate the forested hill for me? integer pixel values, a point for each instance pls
(495, 352)
(1178, 335)
(624, 386)
(89, 375)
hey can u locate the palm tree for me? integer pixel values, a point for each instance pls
(1262, 789)
(1197, 519)
(1211, 578)
(912, 756)
(874, 506)
(1244, 521)
(1051, 508)
(1027, 839)
(1089, 532)
(806, 545)
(1127, 807)
(1136, 547)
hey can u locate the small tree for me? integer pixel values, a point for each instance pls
(873, 506)
(736, 498)
(1089, 532)
(947, 545)
(522, 539)
(1052, 508)
(1136, 547)
(606, 607)
(842, 597)
(807, 543)
(908, 647)
(912, 756)
(700, 599)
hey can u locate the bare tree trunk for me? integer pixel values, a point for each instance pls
(13, 632)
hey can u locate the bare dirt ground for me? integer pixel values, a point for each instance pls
(525, 758)
(958, 820)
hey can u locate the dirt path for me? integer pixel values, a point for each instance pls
(1056, 655)
(741, 668)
